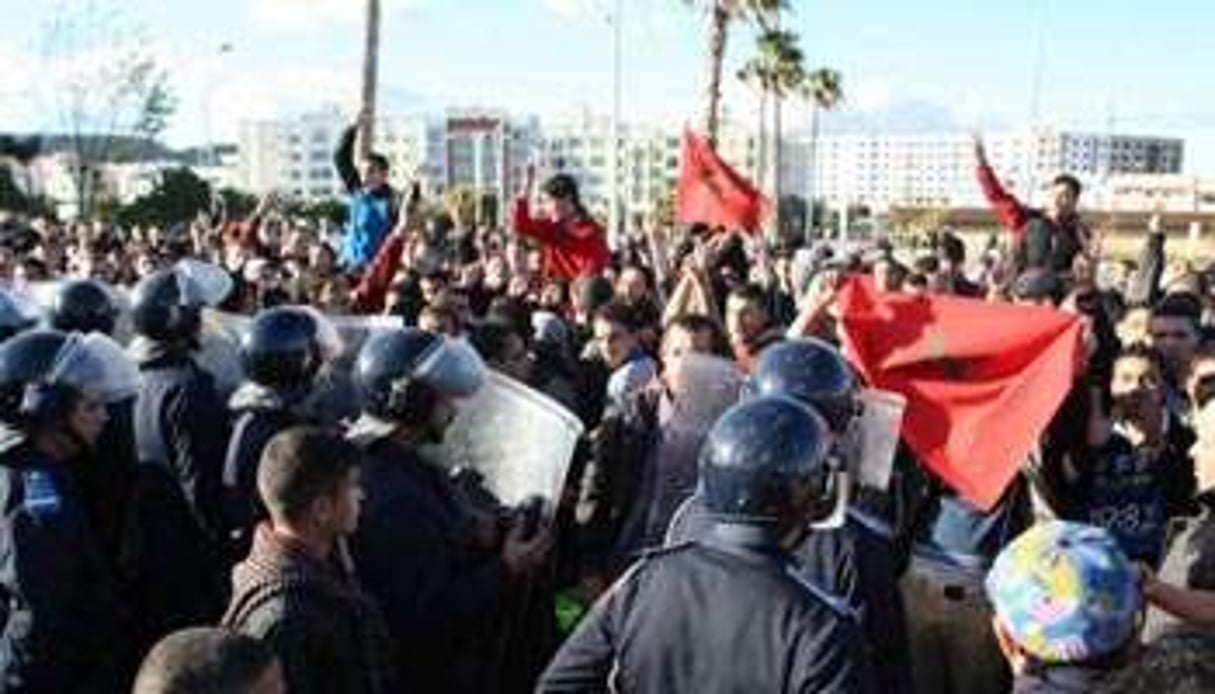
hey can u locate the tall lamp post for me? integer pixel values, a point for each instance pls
(371, 62)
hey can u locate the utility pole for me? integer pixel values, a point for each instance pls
(777, 150)
(371, 61)
(614, 221)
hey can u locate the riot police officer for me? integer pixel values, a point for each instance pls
(83, 306)
(180, 433)
(13, 317)
(862, 555)
(282, 352)
(88, 306)
(62, 628)
(437, 569)
(731, 610)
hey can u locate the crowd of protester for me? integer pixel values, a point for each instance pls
(185, 528)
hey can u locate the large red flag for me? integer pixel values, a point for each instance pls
(710, 192)
(982, 380)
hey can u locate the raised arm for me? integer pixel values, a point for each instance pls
(521, 217)
(343, 160)
(1008, 209)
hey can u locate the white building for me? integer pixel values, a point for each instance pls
(649, 160)
(219, 166)
(938, 170)
(485, 150)
(1156, 193)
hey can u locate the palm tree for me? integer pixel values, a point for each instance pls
(371, 60)
(776, 70)
(824, 89)
(721, 14)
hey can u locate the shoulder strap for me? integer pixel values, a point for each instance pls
(231, 457)
(835, 603)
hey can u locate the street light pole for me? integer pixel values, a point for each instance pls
(614, 221)
(371, 61)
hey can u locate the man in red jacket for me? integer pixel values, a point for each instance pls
(573, 243)
(1049, 239)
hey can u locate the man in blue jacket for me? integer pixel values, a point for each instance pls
(373, 203)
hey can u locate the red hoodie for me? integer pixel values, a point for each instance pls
(373, 288)
(572, 249)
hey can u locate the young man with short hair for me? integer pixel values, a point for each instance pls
(1139, 476)
(1174, 331)
(328, 634)
(749, 324)
(619, 340)
(204, 660)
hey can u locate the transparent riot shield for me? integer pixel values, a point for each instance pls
(519, 441)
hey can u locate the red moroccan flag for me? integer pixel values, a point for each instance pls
(710, 192)
(982, 380)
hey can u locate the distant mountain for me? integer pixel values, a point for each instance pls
(902, 117)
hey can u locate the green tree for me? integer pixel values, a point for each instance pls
(776, 70)
(16, 193)
(824, 88)
(14, 199)
(332, 210)
(793, 214)
(178, 197)
(723, 14)
(237, 203)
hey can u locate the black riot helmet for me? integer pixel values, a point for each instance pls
(24, 360)
(166, 306)
(42, 372)
(764, 462)
(283, 347)
(399, 373)
(811, 371)
(13, 319)
(83, 306)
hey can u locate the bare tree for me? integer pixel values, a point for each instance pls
(108, 88)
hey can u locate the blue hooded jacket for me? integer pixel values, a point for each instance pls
(372, 213)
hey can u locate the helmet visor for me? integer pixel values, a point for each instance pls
(95, 365)
(453, 368)
(202, 284)
(328, 337)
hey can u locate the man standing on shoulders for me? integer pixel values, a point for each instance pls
(373, 203)
(574, 244)
(1050, 238)
(328, 635)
